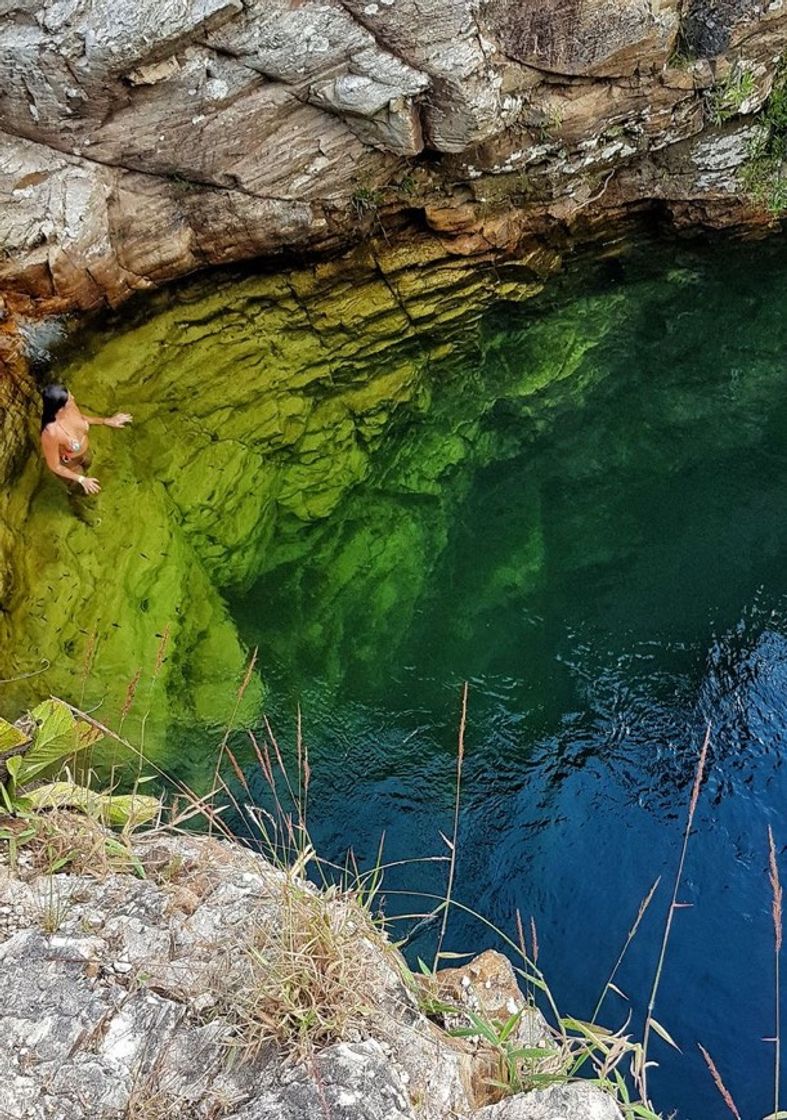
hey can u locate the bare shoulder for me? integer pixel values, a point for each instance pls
(48, 434)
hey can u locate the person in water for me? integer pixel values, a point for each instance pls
(64, 437)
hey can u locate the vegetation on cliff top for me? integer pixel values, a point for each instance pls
(304, 989)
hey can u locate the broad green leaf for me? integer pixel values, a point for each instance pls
(87, 735)
(129, 809)
(10, 737)
(780, 1115)
(58, 738)
(64, 795)
(13, 765)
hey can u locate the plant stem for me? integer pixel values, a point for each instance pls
(695, 793)
(632, 933)
(452, 866)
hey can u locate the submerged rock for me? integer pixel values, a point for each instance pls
(324, 415)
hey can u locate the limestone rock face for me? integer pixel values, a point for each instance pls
(143, 140)
(117, 996)
(559, 1102)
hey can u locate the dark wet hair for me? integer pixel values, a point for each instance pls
(55, 396)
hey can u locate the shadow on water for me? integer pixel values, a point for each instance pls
(583, 514)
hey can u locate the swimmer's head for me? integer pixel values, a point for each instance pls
(55, 398)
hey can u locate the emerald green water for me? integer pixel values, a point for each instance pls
(576, 502)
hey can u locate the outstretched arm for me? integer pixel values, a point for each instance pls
(51, 449)
(119, 420)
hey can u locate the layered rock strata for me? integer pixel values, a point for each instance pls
(139, 142)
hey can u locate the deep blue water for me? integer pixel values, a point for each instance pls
(610, 577)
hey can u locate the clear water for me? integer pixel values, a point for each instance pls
(583, 515)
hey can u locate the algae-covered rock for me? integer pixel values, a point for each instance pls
(300, 446)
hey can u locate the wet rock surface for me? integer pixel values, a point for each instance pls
(115, 996)
(141, 143)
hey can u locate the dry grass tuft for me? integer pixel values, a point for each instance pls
(305, 983)
(64, 840)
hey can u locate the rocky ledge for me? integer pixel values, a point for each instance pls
(126, 996)
(140, 141)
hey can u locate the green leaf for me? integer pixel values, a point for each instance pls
(425, 969)
(10, 737)
(62, 862)
(64, 795)
(484, 1029)
(58, 738)
(529, 978)
(14, 765)
(115, 848)
(87, 735)
(9, 794)
(6, 799)
(622, 1087)
(130, 809)
(510, 1025)
(776, 1116)
(532, 1053)
(54, 741)
(455, 956)
(590, 1030)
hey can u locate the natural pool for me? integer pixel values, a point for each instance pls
(574, 501)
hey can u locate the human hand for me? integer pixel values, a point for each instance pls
(119, 420)
(89, 485)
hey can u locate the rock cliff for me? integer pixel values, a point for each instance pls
(142, 141)
(127, 998)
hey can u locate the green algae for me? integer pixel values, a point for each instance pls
(330, 420)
